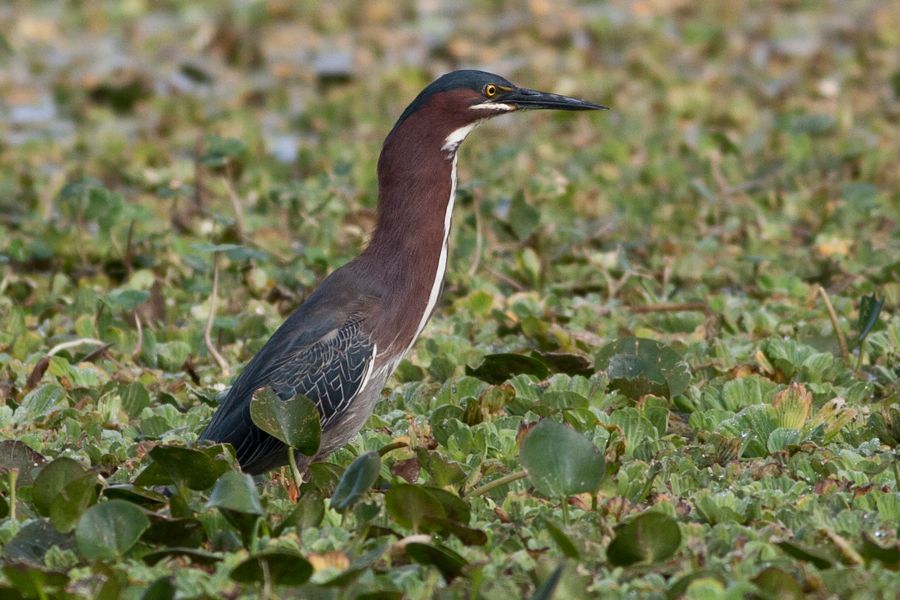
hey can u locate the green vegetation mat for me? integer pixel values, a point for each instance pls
(665, 362)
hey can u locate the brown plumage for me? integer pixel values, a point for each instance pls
(340, 346)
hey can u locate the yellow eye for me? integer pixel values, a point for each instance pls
(490, 90)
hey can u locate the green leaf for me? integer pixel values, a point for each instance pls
(566, 362)
(412, 506)
(200, 557)
(812, 555)
(295, 421)
(792, 406)
(51, 480)
(41, 401)
(235, 252)
(523, 218)
(126, 300)
(220, 150)
(284, 568)
(639, 366)
(135, 399)
(449, 563)
(814, 124)
(72, 500)
(33, 540)
(679, 587)
(17, 455)
(648, 538)
(782, 438)
(235, 492)
(309, 512)
(161, 589)
(563, 541)
(108, 530)
(356, 481)
(869, 309)
(560, 461)
(548, 587)
(778, 584)
(497, 368)
(188, 467)
(35, 582)
(182, 532)
(871, 550)
(442, 471)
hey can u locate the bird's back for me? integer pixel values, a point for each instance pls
(324, 350)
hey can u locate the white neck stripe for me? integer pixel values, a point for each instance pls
(452, 141)
(442, 261)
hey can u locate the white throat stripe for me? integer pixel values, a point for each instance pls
(492, 106)
(452, 141)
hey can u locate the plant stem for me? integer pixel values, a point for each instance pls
(295, 471)
(207, 337)
(391, 447)
(266, 591)
(497, 483)
(842, 342)
(565, 511)
(13, 478)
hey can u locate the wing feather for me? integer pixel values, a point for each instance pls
(329, 368)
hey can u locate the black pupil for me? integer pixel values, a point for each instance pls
(490, 90)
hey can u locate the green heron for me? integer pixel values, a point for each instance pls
(340, 346)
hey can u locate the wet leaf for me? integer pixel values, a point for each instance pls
(563, 541)
(778, 584)
(40, 402)
(497, 368)
(801, 552)
(70, 503)
(448, 562)
(200, 557)
(31, 543)
(236, 492)
(126, 300)
(412, 506)
(295, 421)
(34, 582)
(161, 589)
(871, 550)
(648, 538)
(282, 568)
(679, 587)
(560, 461)
(792, 406)
(547, 589)
(108, 530)
(638, 366)
(567, 362)
(188, 467)
(19, 456)
(869, 310)
(523, 218)
(356, 481)
(51, 480)
(309, 512)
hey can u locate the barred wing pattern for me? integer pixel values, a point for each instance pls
(329, 371)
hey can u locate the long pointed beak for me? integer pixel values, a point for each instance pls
(525, 99)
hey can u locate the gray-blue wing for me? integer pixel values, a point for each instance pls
(329, 370)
